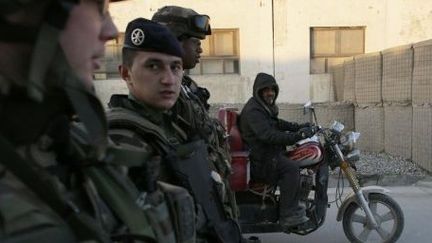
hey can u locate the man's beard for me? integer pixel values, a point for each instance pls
(269, 100)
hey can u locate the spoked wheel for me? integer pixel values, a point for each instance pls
(388, 216)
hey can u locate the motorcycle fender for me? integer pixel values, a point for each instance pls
(351, 198)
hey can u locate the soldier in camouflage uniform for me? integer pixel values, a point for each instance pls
(59, 180)
(152, 69)
(191, 109)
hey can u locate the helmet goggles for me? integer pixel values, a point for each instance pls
(200, 23)
(197, 23)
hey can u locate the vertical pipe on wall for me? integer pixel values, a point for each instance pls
(273, 39)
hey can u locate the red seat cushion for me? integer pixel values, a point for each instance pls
(239, 179)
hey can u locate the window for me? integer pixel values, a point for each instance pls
(220, 53)
(332, 45)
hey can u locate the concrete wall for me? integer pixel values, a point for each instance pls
(388, 23)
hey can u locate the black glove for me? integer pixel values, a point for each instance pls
(306, 132)
(307, 124)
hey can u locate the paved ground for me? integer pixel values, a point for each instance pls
(415, 201)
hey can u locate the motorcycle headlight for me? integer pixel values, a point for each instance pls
(349, 140)
(353, 156)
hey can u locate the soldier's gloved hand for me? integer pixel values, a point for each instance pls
(306, 132)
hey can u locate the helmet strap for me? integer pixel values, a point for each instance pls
(42, 58)
(46, 46)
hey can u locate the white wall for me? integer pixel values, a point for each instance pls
(388, 23)
(408, 21)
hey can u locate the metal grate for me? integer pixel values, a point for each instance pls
(369, 121)
(349, 81)
(397, 74)
(422, 136)
(398, 130)
(368, 69)
(422, 73)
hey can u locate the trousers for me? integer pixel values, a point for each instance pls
(288, 180)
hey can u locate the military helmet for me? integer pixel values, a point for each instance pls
(49, 67)
(183, 22)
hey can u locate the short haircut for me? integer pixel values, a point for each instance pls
(128, 56)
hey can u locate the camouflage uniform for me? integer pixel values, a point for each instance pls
(191, 109)
(60, 180)
(192, 116)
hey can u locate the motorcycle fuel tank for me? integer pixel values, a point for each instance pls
(307, 154)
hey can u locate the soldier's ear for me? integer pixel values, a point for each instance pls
(124, 73)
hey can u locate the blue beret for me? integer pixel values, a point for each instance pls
(146, 35)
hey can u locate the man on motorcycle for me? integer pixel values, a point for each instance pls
(267, 137)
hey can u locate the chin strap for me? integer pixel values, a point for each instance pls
(41, 61)
(84, 102)
(46, 46)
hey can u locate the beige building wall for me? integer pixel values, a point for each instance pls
(253, 19)
(388, 23)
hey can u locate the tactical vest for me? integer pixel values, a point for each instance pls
(193, 116)
(189, 166)
(180, 205)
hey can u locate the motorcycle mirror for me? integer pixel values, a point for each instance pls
(307, 106)
(337, 126)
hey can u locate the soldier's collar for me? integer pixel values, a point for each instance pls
(154, 115)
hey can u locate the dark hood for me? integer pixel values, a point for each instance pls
(262, 81)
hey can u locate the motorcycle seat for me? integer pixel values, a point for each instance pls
(239, 179)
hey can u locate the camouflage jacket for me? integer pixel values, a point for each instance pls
(136, 126)
(53, 189)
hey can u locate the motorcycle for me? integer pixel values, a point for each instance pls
(368, 214)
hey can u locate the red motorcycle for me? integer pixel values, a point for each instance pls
(368, 214)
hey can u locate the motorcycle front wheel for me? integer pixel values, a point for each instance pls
(387, 213)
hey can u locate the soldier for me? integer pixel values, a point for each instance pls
(191, 109)
(152, 69)
(58, 179)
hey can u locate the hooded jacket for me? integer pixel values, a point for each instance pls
(265, 134)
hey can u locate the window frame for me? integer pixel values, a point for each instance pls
(224, 58)
(338, 54)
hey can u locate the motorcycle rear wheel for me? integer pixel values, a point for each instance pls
(387, 213)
